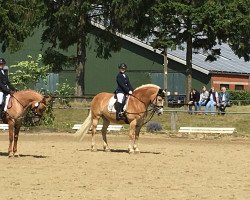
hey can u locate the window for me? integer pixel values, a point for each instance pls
(224, 85)
(239, 87)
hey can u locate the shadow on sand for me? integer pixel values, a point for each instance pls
(120, 151)
(24, 155)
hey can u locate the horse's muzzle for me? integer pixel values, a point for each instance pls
(159, 111)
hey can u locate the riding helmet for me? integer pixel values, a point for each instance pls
(2, 61)
(122, 66)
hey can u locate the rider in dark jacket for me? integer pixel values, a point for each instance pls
(5, 86)
(123, 88)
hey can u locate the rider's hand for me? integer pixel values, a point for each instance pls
(130, 92)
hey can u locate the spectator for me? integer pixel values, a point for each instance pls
(203, 97)
(212, 101)
(194, 98)
(223, 100)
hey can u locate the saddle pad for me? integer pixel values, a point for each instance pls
(6, 102)
(111, 107)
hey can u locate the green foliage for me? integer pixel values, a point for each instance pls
(64, 91)
(28, 72)
(68, 24)
(48, 116)
(18, 19)
(236, 25)
(240, 96)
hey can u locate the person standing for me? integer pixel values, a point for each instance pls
(124, 88)
(223, 100)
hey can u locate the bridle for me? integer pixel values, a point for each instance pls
(154, 106)
(33, 109)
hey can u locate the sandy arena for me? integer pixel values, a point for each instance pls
(55, 166)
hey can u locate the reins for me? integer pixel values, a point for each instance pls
(146, 111)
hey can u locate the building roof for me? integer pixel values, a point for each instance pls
(226, 63)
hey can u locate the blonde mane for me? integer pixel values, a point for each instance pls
(147, 85)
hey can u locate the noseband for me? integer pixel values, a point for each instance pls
(34, 109)
(154, 106)
(161, 93)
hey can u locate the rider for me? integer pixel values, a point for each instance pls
(123, 88)
(5, 86)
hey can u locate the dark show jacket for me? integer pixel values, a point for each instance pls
(123, 83)
(5, 85)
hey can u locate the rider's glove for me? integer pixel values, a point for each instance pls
(130, 92)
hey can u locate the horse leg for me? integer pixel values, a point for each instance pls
(16, 134)
(131, 136)
(94, 125)
(104, 135)
(137, 132)
(11, 131)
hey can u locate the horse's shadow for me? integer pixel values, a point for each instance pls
(23, 155)
(120, 151)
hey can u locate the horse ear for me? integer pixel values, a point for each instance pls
(162, 92)
(47, 99)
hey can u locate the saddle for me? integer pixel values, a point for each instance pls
(113, 102)
(113, 107)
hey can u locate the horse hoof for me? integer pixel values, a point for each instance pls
(93, 150)
(137, 152)
(106, 150)
(11, 155)
(131, 151)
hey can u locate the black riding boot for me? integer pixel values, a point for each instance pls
(119, 114)
(1, 112)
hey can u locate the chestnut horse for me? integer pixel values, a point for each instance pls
(17, 107)
(136, 112)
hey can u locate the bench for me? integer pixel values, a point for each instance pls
(4, 126)
(99, 127)
(206, 130)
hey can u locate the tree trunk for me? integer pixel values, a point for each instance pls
(165, 73)
(81, 56)
(189, 56)
(80, 69)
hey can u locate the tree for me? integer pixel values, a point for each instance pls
(236, 26)
(17, 21)
(190, 24)
(195, 24)
(68, 23)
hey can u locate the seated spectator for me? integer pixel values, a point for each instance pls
(194, 98)
(212, 101)
(223, 100)
(203, 97)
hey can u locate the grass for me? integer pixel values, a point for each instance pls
(66, 118)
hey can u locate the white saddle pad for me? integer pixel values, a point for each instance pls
(111, 107)
(6, 102)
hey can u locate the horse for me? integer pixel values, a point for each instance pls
(16, 108)
(137, 112)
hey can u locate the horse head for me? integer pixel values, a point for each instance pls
(158, 101)
(38, 107)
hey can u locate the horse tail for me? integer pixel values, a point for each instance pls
(83, 130)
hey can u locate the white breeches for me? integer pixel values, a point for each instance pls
(120, 97)
(1, 98)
